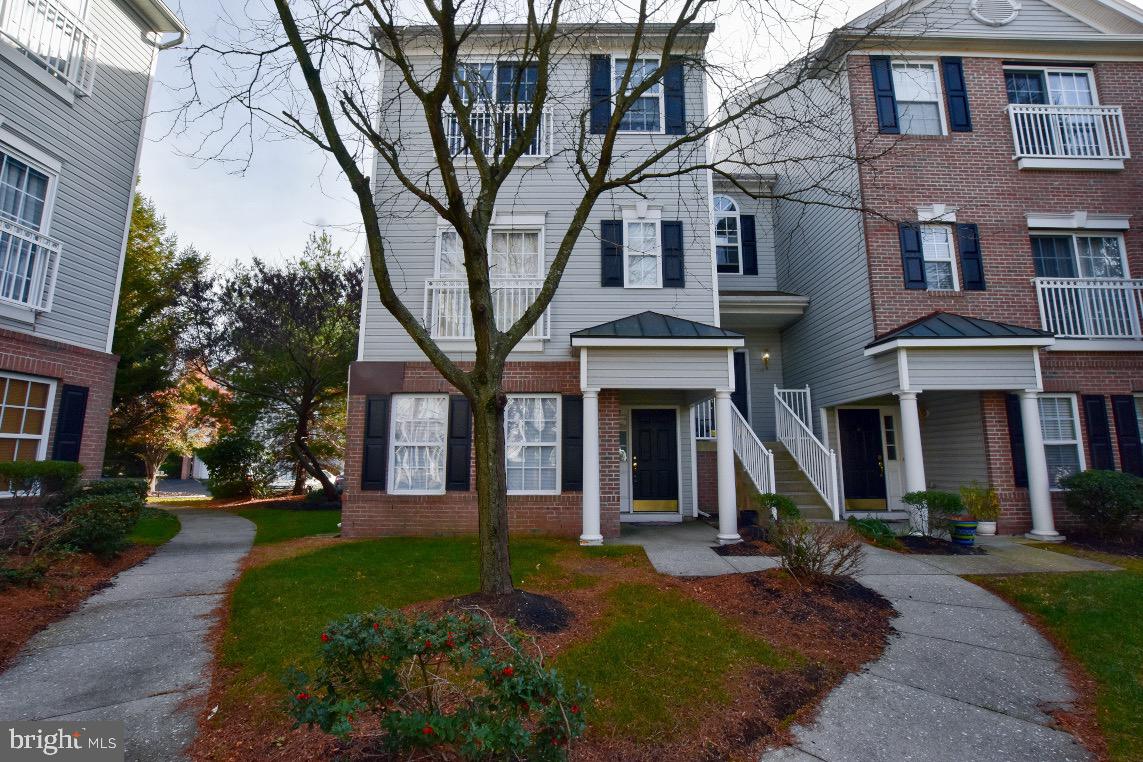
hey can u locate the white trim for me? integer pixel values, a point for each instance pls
(642, 215)
(936, 213)
(29, 67)
(1087, 71)
(28, 152)
(1096, 345)
(1075, 236)
(937, 78)
(1077, 442)
(1108, 165)
(1039, 375)
(49, 419)
(642, 517)
(903, 369)
(1045, 341)
(717, 215)
(680, 414)
(694, 462)
(392, 445)
(951, 259)
(583, 387)
(625, 55)
(46, 165)
(1078, 220)
(590, 341)
(501, 223)
(559, 444)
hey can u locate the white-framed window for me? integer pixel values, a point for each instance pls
(642, 254)
(532, 444)
(917, 88)
(1059, 424)
(417, 444)
(501, 82)
(25, 415)
(24, 192)
(513, 252)
(646, 113)
(727, 235)
(940, 258)
(1070, 255)
(1050, 86)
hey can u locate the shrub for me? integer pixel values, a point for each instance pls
(448, 686)
(817, 552)
(1107, 502)
(136, 487)
(875, 531)
(40, 477)
(931, 511)
(981, 501)
(772, 503)
(100, 524)
(239, 467)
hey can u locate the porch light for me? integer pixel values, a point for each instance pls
(766, 359)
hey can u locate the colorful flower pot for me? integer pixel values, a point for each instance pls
(964, 532)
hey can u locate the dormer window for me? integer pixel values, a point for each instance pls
(727, 240)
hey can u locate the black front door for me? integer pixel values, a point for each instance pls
(654, 461)
(738, 397)
(862, 466)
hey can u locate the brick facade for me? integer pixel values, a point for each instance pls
(373, 513)
(67, 364)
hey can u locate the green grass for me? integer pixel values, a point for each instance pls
(1098, 618)
(154, 527)
(178, 500)
(276, 524)
(660, 662)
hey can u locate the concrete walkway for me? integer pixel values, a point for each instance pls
(137, 651)
(181, 488)
(687, 550)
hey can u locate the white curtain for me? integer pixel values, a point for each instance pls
(531, 434)
(419, 426)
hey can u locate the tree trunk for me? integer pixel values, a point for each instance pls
(299, 480)
(314, 469)
(492, 493)
(151, 466)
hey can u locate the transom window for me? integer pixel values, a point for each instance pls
(532, 441)
(727, 244)
(23, 192)
(645, 114)
(642, 252)
(918, 93)
(24, 405)
(417, 443)
(512, 253)
(1058, 422)
(1079, 256)
(940, 261)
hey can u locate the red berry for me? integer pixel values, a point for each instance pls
(508, 672)
(375, 626)
(575, 709)
(427, 730)
(303, 696)
(428, 644)
(325, 637)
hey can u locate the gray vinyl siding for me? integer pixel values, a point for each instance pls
(762, 380)
(767, 277)
(970, 368)
(1035, 17)
(685, 441)
(952, 437)
(625, 368)
(550, 188)
(95, 139)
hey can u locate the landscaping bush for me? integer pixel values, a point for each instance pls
(817, 552)
(41, 478)
(100, 524)
(1107, 502)
(238, 466)
(446, 686)
(136, 487)
(981, 501)
(770, 502)
(931, 511)
(875, 531)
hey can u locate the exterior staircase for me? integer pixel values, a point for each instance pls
(791, 482)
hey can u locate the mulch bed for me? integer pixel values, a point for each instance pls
(539, 614)
(934, 546)
(748, 548)
(69, 581)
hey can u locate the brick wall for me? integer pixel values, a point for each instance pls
(372, 513)
(67, 364)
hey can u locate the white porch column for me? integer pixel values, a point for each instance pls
(591, 535)
(727, 503)
(911, 442)
(1043, 524)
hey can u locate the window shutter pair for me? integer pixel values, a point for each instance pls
(571, 453)
(968, 247)
(749, 244)
(375, 451)
(611, 254)
(69, 423)
(1016, 441)
(885, 98)
(1127, 433)
(1098, 432)
(674, 96)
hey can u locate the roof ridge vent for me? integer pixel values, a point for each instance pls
(994, 12)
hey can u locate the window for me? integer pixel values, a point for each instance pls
(513, 253)
(417, 442)
(1050, 87)
(1058, 422)
(890, 439)
(646, 113)
(641, 253)
(532, 442)
(918, 94)
(726, 235)
(1079, 256)
(940, 264)
(25, 402)
(474, 82)
(23, 192)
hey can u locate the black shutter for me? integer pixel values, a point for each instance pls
(69, 423)
(1098, 432)
(600, 94)
(459, 450)
(674, 273)
(674, 105)
(611, 253)
(971, 263)
(749, 245)
(1127, 434)
(1016, 441)
(572, 450)
(375, 447)
(956, 94)
(912, 257)
(882, 72)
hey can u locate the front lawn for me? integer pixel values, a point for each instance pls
(278, 524)
(155, 527)
(1098, 618)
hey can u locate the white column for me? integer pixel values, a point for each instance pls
(1043, 524)
(591, 535)
(911, 442)
(727, 503)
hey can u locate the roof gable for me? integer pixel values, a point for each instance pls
(1004, 18)
(947, 325)
(655, 325)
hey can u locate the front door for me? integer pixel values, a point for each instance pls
(654, 461)
(862, 464)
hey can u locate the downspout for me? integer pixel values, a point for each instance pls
(174, 43)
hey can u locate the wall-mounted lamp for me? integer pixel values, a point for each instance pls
(766, 359)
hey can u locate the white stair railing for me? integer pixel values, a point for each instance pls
(756, 460)
(703, 415)
(816, 461)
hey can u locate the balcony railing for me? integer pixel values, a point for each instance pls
(448, 315)
(1068, 132)
(489, 122)
(53, 36)
(28, 265)
(1091, 308)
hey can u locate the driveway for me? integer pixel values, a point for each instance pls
(137, 651)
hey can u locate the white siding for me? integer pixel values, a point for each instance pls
(1035, 17)
(969, 368)
(952, 437)
(657, 369)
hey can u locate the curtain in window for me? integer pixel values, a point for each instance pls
(1052, 256)
(515, 254)
(452, 258)
(642, 247)
(936, 242)
(419, 425)
(531, 435)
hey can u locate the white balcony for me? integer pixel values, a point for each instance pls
(1091, 308)
(1068, 137)
(52, 35)
(28, 265)
(448, 315)
(492, 120)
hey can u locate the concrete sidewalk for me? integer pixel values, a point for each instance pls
(137, 651)
(687, 550)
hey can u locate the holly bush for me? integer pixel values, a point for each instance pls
(453, 683)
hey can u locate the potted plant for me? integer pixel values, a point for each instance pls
(983, 504)
(962, 530)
